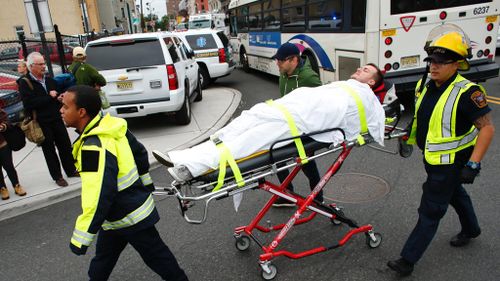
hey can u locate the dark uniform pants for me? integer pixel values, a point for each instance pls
(442, 188)
(311, 171)
(147, 242)
(56, 135)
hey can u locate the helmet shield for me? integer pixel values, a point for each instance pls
(451, 38)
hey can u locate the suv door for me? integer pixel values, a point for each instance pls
(134, 69)
(191, 66)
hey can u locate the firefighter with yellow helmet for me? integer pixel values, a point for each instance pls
(452, 126)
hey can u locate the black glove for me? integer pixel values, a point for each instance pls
(78, 251)
(468, 174)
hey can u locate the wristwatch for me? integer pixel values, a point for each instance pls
(474, 165)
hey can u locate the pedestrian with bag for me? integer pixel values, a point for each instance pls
(40, 101)
(117, 206)
(6, 162)
(452, 125)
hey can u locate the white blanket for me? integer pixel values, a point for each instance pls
(313, 109)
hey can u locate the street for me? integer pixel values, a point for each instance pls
(35, 246)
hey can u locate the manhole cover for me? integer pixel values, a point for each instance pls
(355, 188)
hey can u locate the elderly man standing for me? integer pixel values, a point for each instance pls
(85, 73)
(40, 97)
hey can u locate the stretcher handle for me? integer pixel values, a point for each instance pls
(271, 149)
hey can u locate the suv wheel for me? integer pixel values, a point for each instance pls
(199, 90)
(183, 116)
(204, 76)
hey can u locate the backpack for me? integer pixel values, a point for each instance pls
(66, 80)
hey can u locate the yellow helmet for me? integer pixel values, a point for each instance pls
(451, 38)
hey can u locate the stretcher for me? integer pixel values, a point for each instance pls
(254, 171)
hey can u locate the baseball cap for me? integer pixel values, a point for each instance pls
(78, 52)
(286, 50)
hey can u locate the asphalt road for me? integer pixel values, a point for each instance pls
(34, 246)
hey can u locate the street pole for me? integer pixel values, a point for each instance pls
(42, 37)
(142, 18)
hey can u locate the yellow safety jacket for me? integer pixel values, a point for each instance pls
(113, 196)
(442, 143)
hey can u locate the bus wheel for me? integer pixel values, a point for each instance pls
(244, 61)
(312, 61)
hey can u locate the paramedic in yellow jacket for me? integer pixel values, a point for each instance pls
(115, 202)
(452, 126)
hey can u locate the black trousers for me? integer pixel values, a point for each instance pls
(56, 135)
(147, 243)
(8, 166)
(311, 171)
(442, 188)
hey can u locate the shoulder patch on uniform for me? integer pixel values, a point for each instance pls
(479, 99)
(90, 161)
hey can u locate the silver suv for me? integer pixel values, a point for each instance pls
(147, 73)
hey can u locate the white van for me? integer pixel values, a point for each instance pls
(212, 53)
(147, 73)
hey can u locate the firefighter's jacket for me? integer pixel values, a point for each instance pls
(113, 195)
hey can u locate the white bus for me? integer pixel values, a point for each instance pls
(337, 36)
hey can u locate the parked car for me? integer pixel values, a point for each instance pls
(12, 104)
(54, 54)
(9, 53)
(212, 52)
(147, 73)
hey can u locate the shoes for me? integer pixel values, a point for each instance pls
(401, 266)
(5, 193)
(19, 190)
(163, 158)
(462, 239)
(61, 182)
(282, 202)
(180, 173)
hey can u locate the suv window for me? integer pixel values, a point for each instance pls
(223, 38)
(171, 49)
(125, 54)
(201, 42)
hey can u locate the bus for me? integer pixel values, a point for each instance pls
(338, 36)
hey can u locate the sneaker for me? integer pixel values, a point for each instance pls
(282, 202)
(180, 173)
(5, 193)
(401, 266)
(61, 182)
(461, 239)
(163, 158)
(19, 190)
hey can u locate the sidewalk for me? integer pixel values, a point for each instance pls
(209, 115)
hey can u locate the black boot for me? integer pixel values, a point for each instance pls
(461, 239)
(401, 266)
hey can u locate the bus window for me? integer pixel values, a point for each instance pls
(271, 14)
(242, 21)
(293, 15)
(411, 6)
(358, 15)
(255, 16)
(325, 15)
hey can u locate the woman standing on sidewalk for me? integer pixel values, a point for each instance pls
(6, 162)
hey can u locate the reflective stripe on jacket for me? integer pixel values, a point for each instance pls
(113, 194)
(442, 143)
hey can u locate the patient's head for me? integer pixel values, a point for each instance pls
(369, 74)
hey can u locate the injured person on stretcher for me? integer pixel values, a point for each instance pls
(335, 105)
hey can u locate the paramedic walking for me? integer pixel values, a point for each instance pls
(117, 207)
(296, 72)
(452, 126)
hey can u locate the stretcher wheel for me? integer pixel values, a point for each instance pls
(374, 244)
(242, 243)
(271, 275)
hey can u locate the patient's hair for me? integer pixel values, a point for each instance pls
(379, 76)
(88, 98)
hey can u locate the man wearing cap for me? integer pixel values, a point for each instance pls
(85, 73)
(452, 126)
(296, 72)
